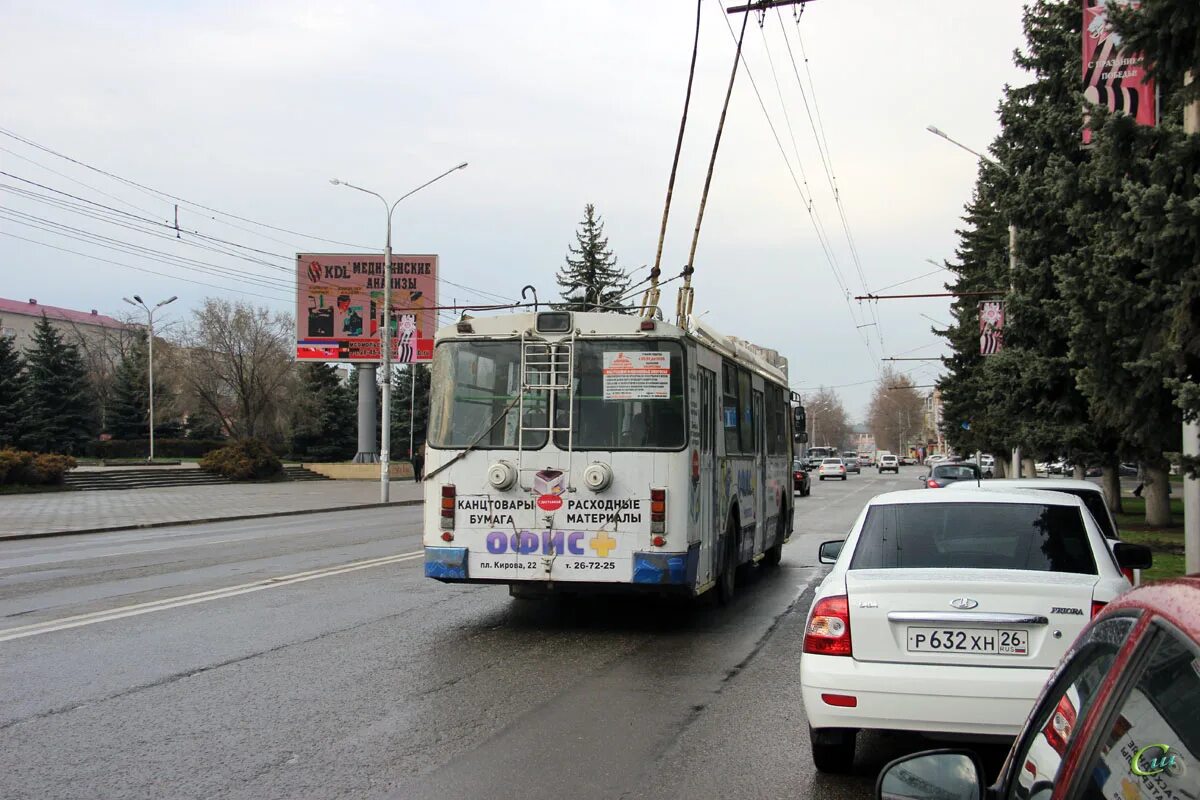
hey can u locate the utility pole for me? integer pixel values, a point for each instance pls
(1191, 430)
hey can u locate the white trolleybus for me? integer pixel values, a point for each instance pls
(573, 452)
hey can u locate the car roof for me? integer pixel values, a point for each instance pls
(1176, 599)
(973, 495)
(1041, 484)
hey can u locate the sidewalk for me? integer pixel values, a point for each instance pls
(47, 513)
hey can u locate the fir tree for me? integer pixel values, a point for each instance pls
(129, 404)
(591, 279)
(12, 393)
(401, 398)
(60, 407)
(324, 428)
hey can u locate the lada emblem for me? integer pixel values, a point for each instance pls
(964, 603)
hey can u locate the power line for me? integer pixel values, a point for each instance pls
(143, 269)
(157, 193)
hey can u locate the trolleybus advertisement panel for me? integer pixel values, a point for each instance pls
(592, 538)
(339, 307)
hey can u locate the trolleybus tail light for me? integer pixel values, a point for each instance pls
(647, 325)
(658, 541)
(447, 536)
(828, 631)
(658, 510)
(448, 495)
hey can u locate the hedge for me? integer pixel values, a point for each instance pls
(33, 469)
(243, 460)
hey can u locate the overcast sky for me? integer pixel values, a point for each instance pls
(249, 108)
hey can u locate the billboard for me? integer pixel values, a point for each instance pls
(991, 327)
(1113, 77)
(339, 307)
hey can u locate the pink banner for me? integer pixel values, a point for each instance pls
(1113, 77)
(339, 307)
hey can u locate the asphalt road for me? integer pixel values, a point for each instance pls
(308, 657)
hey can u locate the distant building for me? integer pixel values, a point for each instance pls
(18, 318)
(861, 439)
(932, 434)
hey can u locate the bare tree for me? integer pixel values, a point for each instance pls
(896, 412)
(827, 423)
(237, 364)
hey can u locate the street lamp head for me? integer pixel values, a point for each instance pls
(335, 181)
(936, 131)
(463, 165)
(127, 300)
(140, 300)
(168, 301)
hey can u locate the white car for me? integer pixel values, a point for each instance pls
(831, 468)
(945, 612)
(889, 463)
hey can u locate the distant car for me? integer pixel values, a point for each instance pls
(801, 483)
(936, 458)
(907, 461)
(942, 475)
(831, 468)
(1118, 718)
(946, 612)
(1128, 470)
(866, 460)
(889, 463)
(850, 458)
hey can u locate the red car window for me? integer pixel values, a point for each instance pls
(1038, 760)
(1152, 747)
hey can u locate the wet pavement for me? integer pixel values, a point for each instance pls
(307, 656)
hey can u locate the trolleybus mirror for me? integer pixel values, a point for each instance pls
(799, 424)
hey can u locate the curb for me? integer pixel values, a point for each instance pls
(234, 518)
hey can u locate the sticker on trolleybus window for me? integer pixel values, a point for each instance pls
(644, 375)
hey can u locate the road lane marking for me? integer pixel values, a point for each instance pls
(107, 615)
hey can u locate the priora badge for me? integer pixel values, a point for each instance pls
(964, 603)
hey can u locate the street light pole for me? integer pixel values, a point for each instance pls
(150, 354)
(1012, 248)
(385, 333)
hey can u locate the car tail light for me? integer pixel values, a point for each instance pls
(1058, 728)
(932, 484)
(658, 510)
(840, 700)
(448, 496)
(828, 631)
(1129, 576)
(1098, 606)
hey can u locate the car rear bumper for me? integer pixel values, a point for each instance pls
(973, 701)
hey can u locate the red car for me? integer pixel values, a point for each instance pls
(1120, 717)
(801, 484)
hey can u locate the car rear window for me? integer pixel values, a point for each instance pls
(957, 472)
(832, 461)
(1025, 536)
(1095, 504)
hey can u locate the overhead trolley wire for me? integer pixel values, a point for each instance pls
(814, 215)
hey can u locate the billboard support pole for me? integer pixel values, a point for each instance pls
(367, 452)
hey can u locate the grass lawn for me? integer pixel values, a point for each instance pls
(1167, 543)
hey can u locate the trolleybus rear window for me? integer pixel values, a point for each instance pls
(628, 396)
(473, 383)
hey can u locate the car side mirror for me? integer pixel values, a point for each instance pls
(1133, 556)
(829, 551)
(923, 478)
(932, 775)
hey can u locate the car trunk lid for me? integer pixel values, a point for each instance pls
(980, 617)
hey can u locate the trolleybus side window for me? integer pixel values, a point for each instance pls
(729, 408)
(745, 413)
(776, 421)
(622, 399)
(474, 389)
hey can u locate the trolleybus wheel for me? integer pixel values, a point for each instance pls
(727, 580)
(774, 553)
